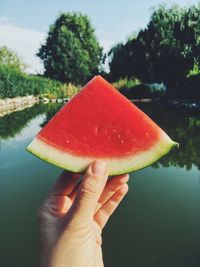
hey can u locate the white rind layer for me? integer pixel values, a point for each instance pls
(74, 163)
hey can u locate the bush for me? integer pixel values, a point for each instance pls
(144, 91)
(15, 83)
(126, 83)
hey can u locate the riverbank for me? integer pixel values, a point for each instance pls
(9, 105)
(189, 105)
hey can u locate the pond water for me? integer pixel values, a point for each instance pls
(158, 223)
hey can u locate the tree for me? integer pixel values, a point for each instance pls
(10, 59)
(71, 52)
(166, 50)
(121, 61)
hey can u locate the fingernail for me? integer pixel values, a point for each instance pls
(99, 167)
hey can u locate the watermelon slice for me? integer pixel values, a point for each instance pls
(100, 123)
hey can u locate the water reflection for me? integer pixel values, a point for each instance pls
(180, 125)
(157, 223)
(50, 113)
(13, 123)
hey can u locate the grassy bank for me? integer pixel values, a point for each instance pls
(16, 83)
(134, 89)
(126, 83)
(187, 89)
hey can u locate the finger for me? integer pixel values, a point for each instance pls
(74, 193)
(90, 190)
(112, 186)
(65, 184)
(57, 202)
(102, 216)
(58, 205)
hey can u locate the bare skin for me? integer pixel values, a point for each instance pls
(72, 217)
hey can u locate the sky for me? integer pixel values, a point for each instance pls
(24, 24)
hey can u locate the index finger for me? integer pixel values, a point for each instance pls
(65, 184)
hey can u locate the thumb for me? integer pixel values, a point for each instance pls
(90, 190)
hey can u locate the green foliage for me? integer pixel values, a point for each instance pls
(71, 52)
(194, 71)
(133, 89)
(143, 91)
(193, 123)
(69, 90)
(11, 59)
(126, 83)
(15, 83)
(165, 51)
(119, 61)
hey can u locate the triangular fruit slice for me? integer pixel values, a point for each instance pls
(100, 123)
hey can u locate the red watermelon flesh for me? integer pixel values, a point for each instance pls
(100, 123)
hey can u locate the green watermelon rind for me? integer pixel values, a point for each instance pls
(116, 166)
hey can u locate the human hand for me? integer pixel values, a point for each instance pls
(72, 217)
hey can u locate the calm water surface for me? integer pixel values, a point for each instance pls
(157, 225)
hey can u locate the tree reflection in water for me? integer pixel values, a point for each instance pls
(180, 125)
(13, 123)
(184, 128)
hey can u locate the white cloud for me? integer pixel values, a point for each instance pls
(25, 42)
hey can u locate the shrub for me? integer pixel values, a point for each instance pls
(126, 83)
(15, 83)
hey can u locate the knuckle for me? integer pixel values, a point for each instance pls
(95, 177)
(111, 187)
(105, 213)
(89, 188)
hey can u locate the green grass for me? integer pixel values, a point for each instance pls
(126, 83)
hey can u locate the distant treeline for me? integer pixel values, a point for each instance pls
(166, 52)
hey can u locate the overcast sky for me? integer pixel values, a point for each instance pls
(24, 23)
